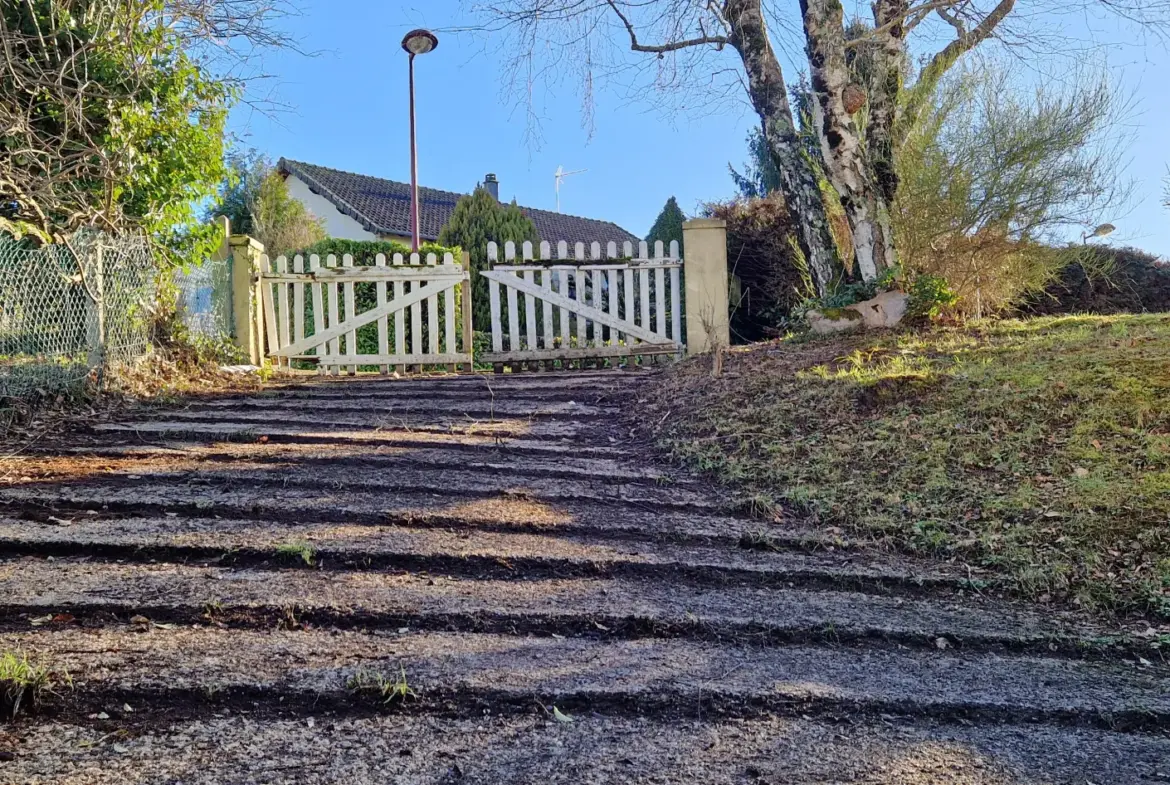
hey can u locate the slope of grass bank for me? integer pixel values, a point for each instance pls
(1038, 450)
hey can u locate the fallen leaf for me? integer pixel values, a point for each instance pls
(39, 620)
(139, 620)
(561, 716)
(942, 643)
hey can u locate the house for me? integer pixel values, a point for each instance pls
(360, 207)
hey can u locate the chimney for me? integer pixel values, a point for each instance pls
(492, 185)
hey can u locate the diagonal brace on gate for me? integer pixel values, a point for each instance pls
(366, 317)
(576, 306)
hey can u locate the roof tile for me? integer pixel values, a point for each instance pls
(383, 207)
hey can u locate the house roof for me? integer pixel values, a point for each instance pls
(383, 207)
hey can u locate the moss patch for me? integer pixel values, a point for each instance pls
(1038, 449)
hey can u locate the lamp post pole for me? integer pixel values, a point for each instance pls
(413, 167)
(416, 42)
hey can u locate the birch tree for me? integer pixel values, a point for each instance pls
(684, 45)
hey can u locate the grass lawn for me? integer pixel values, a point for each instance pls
(1037, 450)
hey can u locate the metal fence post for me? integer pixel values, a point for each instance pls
(97, 334)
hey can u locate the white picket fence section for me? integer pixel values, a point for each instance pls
(312, 314)
(626, 303)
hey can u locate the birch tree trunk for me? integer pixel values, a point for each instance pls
(843, 147)
(769, 96)
(889, 52)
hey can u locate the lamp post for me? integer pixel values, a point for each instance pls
(1100, 231)
(416, 42)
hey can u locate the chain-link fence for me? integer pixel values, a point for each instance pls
(68, 310)
(205, 298)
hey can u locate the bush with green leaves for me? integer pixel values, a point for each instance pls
(928, 295)
(114, 115)
(994, 176)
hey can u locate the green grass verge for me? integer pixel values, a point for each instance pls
(1036, 449)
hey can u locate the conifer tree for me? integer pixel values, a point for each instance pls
(477, 220)
(668, 226)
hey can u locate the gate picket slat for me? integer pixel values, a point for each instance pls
(599, 304)
(529, 310)
(497, 327)
(318, 310)
(660, 298)
(582, 325)
(432, 316)
(299, 300)
(614, 300)
(384, 322)
(449, 317)
(546, 283)
(350, 306)
(675, 300)
(563, 290)
(513, 319)
(416, 328)
(628, 275)
(644, 287)
(334, 313)
(269, 313)
(399, 317)
(282, 314)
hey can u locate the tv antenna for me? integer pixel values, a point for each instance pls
(561, 174)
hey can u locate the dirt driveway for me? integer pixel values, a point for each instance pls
(492, 580)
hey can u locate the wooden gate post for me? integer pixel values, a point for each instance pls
(705, 274)
(247, 316)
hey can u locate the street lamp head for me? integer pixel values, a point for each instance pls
(419, 42)
(1103, 230)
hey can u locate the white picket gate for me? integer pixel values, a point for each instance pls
(619, 305)
(312, 315)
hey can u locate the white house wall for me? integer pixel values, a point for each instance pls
(337, 224)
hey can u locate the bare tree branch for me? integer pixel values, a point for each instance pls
(673, 46)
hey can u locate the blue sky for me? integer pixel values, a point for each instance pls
(348, 110)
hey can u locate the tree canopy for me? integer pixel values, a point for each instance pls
(865, 86)
(113, 112)
(254, 197)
